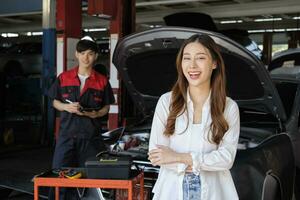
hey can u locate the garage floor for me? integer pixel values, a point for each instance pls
(18, 168)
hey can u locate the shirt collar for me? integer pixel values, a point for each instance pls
(74, 73)
(93, 74)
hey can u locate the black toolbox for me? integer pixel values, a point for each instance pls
(108, 167)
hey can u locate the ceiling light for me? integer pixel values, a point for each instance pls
(10, 35)
(268, 19)
(256, 31)
(279, 30)
(95, 29)
(231, 21)
(37, 33)
(293, 29)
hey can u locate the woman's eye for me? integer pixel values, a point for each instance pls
(186, 58)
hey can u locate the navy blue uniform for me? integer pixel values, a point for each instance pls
(79, 136)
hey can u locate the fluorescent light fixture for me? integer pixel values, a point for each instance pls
(34, 33)
(279, 30)
(293, 29)
(269, 30)
(296, 17)
(231, 21)
(256, 31)
(37, 33)
(268, 19)
(163, 2)
(273, 30)
(10, 35)
(155, 26)
(95, 29)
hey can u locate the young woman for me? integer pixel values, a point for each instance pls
(195, 128)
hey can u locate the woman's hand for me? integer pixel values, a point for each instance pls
(162, 155)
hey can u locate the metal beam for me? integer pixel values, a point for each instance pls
(20, 7)
(283, 24)
(166, 2)
(237, 10)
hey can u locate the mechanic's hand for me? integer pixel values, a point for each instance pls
(72, 107)
(91, 114)
(162, 155)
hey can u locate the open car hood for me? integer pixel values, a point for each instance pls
(146, 63)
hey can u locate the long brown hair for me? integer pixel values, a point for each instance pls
(218, 92)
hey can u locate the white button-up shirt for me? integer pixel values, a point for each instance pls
(212, 162)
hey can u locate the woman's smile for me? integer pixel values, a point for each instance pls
(194, 75)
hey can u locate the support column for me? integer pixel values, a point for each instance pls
(122, 24)
(49, 69)
(267, 47)
(68, 27)
(293, 42)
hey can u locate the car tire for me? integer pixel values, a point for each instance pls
(13, 69)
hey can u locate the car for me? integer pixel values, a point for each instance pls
(265, 163)
(286, 58)
(204, 21)
(285, 73)
(22, 59)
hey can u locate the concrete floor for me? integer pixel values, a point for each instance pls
(15, 195)
(19, 167)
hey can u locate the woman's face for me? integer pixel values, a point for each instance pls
(197, 65)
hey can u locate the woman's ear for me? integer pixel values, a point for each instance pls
(214, 66)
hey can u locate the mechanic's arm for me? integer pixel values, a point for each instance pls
(68, 107)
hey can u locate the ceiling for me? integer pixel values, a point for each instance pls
(222, 11)
(281, 14)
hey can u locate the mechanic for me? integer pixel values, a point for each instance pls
(82, 95)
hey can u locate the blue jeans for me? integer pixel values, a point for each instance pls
(191, 187)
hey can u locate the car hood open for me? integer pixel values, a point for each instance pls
(146, 63)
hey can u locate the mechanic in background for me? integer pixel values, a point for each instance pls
(82, 95)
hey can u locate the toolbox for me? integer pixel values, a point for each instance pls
(108, 166)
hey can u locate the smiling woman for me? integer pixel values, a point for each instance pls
(247, 82)
(195, 128)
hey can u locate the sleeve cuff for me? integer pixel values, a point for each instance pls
(197, 159)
